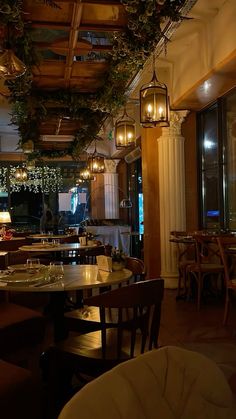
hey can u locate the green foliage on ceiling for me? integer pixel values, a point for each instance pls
(131, 48)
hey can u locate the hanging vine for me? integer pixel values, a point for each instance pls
(131, 48)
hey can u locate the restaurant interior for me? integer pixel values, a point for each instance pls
(117, 209)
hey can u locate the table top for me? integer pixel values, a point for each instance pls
(50, 247)
(76, 277)
(50, 236)
(12, 239)
(184, 239)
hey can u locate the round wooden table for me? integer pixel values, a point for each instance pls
(49, 236)
(50, 247)
(76, 277)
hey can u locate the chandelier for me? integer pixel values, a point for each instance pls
(39, 179)
(154, 103)
(125, 131)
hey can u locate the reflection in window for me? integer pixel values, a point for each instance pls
(230, 172)
(209, 173)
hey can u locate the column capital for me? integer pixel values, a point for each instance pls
(176, 120)
(110, 165)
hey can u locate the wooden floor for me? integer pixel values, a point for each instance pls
(182, 325)
(181, 322)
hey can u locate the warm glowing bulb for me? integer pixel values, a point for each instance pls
(121, 137)
(161, 112)
(130, 135)
(149, 108)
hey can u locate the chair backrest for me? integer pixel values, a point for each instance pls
(89, 255)
(16, 257)
(207, 250)
(137, 267)
(227, 249)
(139, 313)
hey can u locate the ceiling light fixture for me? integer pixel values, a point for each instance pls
(11, 66)
(154, 103)
(125, 131)
(21, 175)
(96, 162)
(86, 174)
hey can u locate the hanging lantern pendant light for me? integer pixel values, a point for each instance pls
(86, 174)
(21, 175)
(125, 131)
(11, 66)
(96, 162)
(154, 103)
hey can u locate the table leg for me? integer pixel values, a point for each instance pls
(57, 303)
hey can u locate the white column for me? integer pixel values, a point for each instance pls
(111, 189)
(172, 193)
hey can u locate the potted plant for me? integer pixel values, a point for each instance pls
(118, 259)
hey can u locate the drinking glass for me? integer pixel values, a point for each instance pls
(33, 265)
(56, 271)
(55, 242)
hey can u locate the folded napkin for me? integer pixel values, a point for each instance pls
(104, 263)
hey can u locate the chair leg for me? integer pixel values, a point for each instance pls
(226, 310)
(199, 291)
(179, 283)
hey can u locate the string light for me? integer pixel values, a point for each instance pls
(40, 179)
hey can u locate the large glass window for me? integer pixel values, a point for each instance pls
(217, 157)
(209, 168)
(229, 120)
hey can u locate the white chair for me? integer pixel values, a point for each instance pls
(164, 383)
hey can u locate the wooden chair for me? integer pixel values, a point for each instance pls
(89, 255)
(207, 262)
(21, 330)
(227, 248)
(87, 318)
(185, 255)
(96, 352)
(137, 267)
(19, 393)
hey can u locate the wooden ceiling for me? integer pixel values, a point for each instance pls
(74, 41)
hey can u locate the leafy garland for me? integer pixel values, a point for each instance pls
(131, 48)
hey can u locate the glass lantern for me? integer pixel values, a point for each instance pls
(154, 104)
(125, 131)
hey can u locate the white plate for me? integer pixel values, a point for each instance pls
(22, 267)
(20, 279)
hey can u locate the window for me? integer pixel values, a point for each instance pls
(217, 164)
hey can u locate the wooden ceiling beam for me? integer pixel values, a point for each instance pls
(95, 47)
(83, 27)
(101, 27)
(74, 33)
(101, 2)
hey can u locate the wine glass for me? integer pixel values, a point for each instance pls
(33, 265)
(56, 271)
